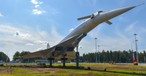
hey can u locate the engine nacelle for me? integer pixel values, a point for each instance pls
(59, 48)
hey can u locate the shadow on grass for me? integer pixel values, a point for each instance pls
(84, 68)
(104, 70)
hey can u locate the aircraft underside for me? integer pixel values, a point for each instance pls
(69, 43)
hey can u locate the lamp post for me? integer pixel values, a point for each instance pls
(99, 53)
(136, 47)
(96, 49)
(144, 56)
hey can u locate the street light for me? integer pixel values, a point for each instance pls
(96, 49)
(136, 47)
(99, 53)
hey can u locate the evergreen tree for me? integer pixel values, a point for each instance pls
(113, 56)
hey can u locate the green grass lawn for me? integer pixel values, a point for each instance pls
(96, 70)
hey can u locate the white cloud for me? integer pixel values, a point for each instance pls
(34, 1)
(70, 30)
(14, 39)
(106, 43)
(37, 10)
(118, 41)
(96, 32)
(120, 38)
(29, 44)
(131, 27)
(55, 35)
(1, 14)
(36, 6)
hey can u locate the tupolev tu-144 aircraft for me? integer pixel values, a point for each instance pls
(71, 41)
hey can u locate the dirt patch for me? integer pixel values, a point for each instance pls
(6, 70)
(73, 71)
(42, 70)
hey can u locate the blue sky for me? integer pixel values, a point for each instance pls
(29, 24)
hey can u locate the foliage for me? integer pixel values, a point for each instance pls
(4, 57)
(112, 56)
(19, 55)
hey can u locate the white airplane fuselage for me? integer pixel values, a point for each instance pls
(72, 40)
(98, 18)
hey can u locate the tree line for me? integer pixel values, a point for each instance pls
(19, 55)
(102, 57)
(112, 56)
(4, 57)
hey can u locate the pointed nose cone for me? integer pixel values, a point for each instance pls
(113, 13)
(122, 10)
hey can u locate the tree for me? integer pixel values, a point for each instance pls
(4, 57)
(16, 56)
(19, 55)
(114, 56)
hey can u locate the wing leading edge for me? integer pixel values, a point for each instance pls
(70, 43)
(67, 45)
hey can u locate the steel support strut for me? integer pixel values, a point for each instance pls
(50, 61)
(77, 57)
(64, 60)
